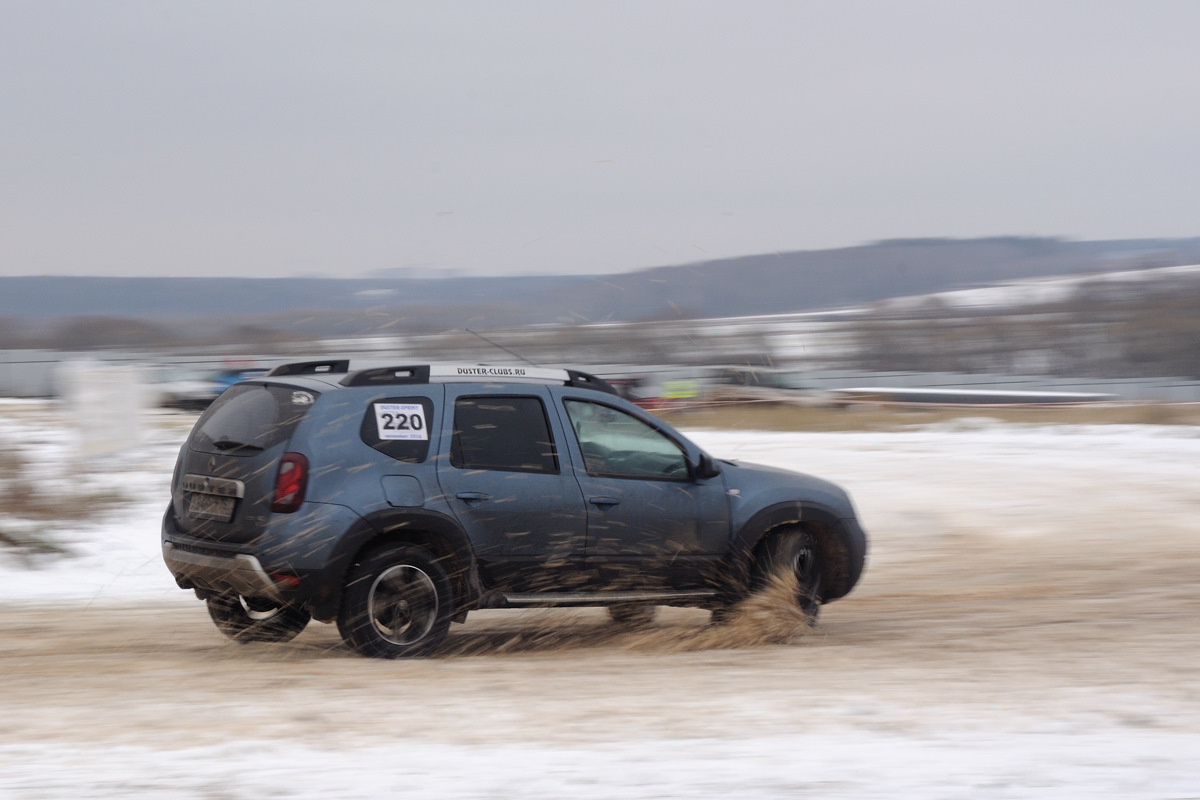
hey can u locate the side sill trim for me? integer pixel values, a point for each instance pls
(559, 599)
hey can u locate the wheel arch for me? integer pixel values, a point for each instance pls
(841, 542)
(437, 533)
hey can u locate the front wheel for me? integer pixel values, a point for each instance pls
(253, 619)
(793, 556)
(397, 604)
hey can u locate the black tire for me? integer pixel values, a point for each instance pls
(632, 615)
(398, 603)
(795, 551)
(253, 619)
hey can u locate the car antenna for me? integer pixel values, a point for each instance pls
(502, 347)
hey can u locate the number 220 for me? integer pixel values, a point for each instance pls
(402, 422)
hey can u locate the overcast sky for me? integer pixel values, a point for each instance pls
(339, 138)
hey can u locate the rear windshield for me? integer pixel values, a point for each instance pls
(250, 417)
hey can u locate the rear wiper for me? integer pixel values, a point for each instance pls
(230, 444)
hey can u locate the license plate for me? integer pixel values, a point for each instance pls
(210, 506)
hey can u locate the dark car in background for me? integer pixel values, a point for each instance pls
(228, 377)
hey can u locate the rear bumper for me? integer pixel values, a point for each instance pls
(238, 573)
(302, 546)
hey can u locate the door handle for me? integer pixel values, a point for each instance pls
(604, 501)
(472, 497)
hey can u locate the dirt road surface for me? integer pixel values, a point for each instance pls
(1098, 628)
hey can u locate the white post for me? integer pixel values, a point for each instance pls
(103, 404)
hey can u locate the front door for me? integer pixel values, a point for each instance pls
(651, 523)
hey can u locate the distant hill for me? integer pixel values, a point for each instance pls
(760, 284)
(56, 296)
(828, 279)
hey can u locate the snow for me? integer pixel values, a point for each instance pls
(115, 556)
(1034, 291)
(899, 480)
(854, 765)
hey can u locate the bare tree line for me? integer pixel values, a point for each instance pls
(1104, 330)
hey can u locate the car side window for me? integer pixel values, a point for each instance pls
(509, 433)
(615, 444)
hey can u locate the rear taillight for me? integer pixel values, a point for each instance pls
(285, 580)
(291, 483)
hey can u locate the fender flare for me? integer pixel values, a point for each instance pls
(436, 532)
(842, 541)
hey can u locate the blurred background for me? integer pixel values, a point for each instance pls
(977, 321)
(783, 197)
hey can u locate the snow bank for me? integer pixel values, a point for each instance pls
(116, 553)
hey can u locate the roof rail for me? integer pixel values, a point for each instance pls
(387, 376)
(332, 366)
(584, 380)
(473, 373)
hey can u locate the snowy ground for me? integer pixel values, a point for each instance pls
(1026, 628)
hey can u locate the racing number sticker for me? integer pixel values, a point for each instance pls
(401, 421)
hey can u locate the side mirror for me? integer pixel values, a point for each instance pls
(707, 468)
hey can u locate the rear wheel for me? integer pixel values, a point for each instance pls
(397, 603)
(793, 554)
(253, 619)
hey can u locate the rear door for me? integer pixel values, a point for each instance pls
(502, 471)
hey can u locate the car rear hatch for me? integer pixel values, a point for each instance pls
(228, 469)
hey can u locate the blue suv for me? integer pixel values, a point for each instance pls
(395, 500)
